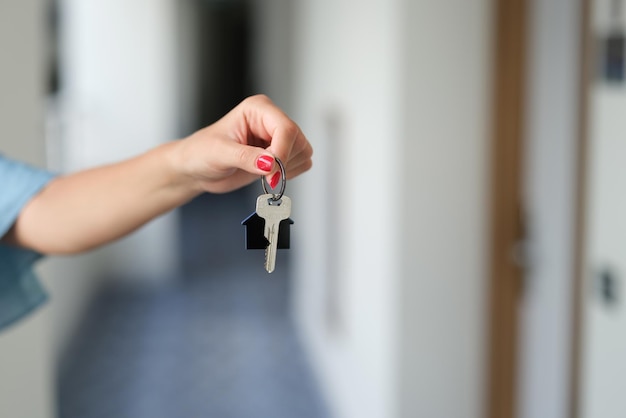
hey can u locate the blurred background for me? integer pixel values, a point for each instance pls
(457, 249)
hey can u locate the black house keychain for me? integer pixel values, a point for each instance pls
(255, 239)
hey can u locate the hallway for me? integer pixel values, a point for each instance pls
(217, 342)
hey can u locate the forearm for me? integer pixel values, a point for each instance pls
(81, 211)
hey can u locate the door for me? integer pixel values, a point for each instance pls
(534, 260)
(551, 187)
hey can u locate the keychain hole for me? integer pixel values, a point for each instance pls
(283, 183)
(274, 202)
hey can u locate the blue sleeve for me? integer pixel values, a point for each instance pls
(20, 291)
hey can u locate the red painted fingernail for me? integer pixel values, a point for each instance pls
(274, 179)
(265, 162)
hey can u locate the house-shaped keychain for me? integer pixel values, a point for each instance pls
(255, 238)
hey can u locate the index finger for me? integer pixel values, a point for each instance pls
(268, 122)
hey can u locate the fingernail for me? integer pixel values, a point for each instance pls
(274, 179)
(265, 162)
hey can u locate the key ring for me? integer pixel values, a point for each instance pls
(283, 183)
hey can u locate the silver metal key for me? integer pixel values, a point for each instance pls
(273, 211)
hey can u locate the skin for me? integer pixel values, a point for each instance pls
(87, 209)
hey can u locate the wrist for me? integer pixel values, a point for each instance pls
(177, 176)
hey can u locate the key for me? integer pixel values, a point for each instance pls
(273, 212)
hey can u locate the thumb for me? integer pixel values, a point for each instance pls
(252, 159)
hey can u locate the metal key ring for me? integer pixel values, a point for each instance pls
(283, 183)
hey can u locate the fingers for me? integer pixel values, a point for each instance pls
(255, 124)
(302, 150)
(301, 159)
(269, 123)
(253, 160)
(302, 167)
(283, 141)
(298, 163)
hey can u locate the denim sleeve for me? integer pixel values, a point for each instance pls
(20, 291)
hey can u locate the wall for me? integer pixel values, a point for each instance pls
(390, 243)
(118, 99)
(444, 201)
(347, 101)
(603, 364)
(25, 360)
(273, 50)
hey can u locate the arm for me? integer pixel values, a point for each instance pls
(90, 208)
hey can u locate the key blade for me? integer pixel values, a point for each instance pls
(270, 251)
(273, 212)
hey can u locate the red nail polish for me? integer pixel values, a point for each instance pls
(265, 162)
(274, 180)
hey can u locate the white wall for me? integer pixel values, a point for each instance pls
(119, 99)
(603, 360)
(394, 97)
(346, 63)
(444, 201)
(272, 49)
(21, 111)
(25, 361)
(551, 129)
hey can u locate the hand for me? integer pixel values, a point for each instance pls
(241, 146)
(123, 196)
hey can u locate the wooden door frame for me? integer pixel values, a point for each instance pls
(505, 277)
(507, 229)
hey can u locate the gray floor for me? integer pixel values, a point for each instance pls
(217, 343)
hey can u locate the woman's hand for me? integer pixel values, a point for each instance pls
(87, 209)
(242, 146)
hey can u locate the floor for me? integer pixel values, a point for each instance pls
(217, 342)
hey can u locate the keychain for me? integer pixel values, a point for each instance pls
(268, 227)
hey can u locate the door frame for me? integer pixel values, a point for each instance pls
(505, 276)
(507, 223)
